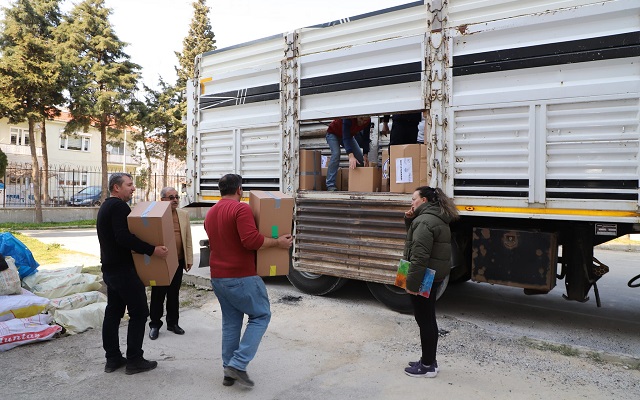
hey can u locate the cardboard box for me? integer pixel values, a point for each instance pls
(324, 170)
(273, 212)
(151, 221)
(365, 179)
(342, 180)
(408, 167)
(384, 185)
(310, 173)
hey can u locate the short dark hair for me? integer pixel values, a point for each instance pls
(229, 184)
(117, 179)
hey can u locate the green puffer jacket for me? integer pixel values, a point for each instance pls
(428, 244)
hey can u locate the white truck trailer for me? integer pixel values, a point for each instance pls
(532, 123)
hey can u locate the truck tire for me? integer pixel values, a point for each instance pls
(315, 284)
(396, 298)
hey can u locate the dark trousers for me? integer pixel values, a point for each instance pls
(424, 310)
(172, 294)
(124, 290)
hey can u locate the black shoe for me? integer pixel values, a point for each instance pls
(240, 376)
(175, 329)
(115, 364)
(140, 365)
(153, 333)
(228, 381)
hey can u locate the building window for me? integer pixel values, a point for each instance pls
(19, 137)
(77, 143)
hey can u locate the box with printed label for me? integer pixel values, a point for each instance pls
(310, 173)
(152, 222)
(365, 179)
(384, 186)
(273, 212)
(408, 167)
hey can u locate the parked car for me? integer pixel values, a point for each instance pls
(89, 196)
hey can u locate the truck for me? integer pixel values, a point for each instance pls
(532, 114)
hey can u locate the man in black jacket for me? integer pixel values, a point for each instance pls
(124, 287)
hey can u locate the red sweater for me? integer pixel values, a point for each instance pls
(233, 239)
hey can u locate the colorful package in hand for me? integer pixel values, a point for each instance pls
(427, 281)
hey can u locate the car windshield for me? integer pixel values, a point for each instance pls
(90, 191)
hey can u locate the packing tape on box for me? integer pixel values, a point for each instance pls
(147, 259)
(274, 232)
(145, 221)
(152, 283)
(272, 270)
(276, 198)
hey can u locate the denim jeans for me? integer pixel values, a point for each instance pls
(124, 290)
(237, 297)
(334, 163)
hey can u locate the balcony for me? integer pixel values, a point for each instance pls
(119, 159)
(12, 149)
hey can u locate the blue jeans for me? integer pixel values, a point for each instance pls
(334, 163)
(237, 297)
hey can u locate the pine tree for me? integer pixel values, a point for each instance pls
(30, 80)
(101, 79)
(199, 39)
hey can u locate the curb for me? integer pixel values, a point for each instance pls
(199, 282)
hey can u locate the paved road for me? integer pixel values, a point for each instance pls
(612, 328)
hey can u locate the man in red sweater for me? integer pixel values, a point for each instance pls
(233, 241)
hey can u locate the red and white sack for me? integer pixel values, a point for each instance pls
(19, 331)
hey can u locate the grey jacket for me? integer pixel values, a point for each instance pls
(428, 244)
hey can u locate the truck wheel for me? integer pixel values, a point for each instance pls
(396, 298)
(315, 284)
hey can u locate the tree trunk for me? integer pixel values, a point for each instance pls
(35, 171)
(45, 160)
(147, 154)
(166, 164)
(103, 149)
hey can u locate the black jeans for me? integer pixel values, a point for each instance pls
(124, 290)
(424, 310)
(172, 293)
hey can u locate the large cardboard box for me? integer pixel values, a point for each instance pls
(384, 185)
(365, 179)
(342, 180)
(408, 167)
(310, 173)
(273, 212)
(151, 222)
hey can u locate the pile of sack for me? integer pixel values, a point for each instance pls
(37, 305)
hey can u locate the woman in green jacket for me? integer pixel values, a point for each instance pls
(428, 245)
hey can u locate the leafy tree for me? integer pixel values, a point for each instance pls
(200, 39)
(30, 81)
(101, 79)
(3, 163)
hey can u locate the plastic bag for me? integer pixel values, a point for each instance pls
(10, 246)
(10, 278)
(20, 331)
(21, 305)
(81, 319)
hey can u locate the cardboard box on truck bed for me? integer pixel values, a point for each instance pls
(151, 221)
(310, 173)
(408, 166)
(365, 179)
(273, 212)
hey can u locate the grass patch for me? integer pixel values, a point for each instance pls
(556, 348)
(43, 253)
(15, 226)
(94, 270)
(597, 357)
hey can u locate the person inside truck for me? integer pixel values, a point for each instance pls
(404, 128)
(342, 133)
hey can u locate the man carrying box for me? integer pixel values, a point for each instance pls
(124, 287)
(233, 241)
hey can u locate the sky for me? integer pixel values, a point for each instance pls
(154, 29)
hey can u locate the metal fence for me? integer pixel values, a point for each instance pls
(16, 187)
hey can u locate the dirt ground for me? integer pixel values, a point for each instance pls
(317, 348)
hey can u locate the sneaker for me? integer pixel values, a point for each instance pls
(140, 365)
(240, 376)
(228, 381)
(115, 364)
(421, 371)
(332, 189)
(414, 363)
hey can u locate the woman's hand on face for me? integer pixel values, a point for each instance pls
(409, 214)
